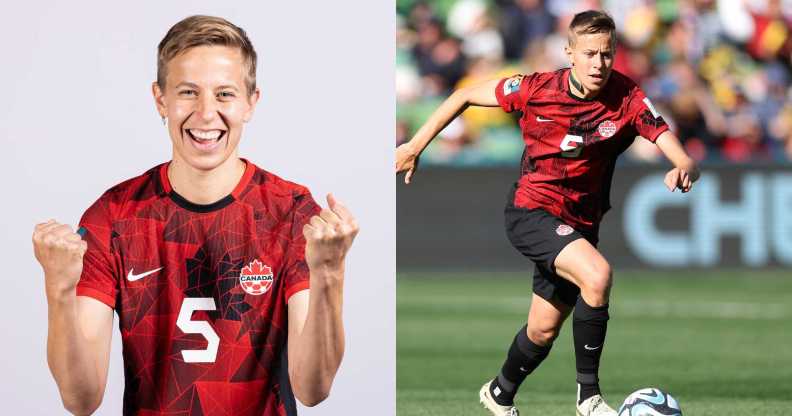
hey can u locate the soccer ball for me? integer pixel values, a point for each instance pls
(650, 402)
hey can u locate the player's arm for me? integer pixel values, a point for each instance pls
(79, 328)
(685, 171)
(478, 95)
(316, 328)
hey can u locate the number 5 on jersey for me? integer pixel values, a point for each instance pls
(570, 150)
(188, 326)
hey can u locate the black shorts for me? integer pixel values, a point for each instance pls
(540, 236)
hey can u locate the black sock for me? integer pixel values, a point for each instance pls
(589, 326)
(523, 358)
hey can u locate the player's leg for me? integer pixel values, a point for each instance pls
(581, 263)
(540, 236)
(529, 348)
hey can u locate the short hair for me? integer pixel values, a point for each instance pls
(590, 22)
(202, 30)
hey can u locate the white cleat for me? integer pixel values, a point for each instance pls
(490, 404)
(595, 406)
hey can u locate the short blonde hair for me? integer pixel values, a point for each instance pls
(205, 31)
(590, 22)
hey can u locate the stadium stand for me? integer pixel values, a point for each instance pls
(720, 72)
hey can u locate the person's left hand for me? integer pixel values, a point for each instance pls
(328, 237)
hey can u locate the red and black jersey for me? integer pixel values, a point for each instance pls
(201, 291)
(571, 144)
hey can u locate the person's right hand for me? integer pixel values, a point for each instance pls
(60, 252)
(406, 160)
(677, 178)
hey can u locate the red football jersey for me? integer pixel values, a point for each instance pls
(201, 291)
(571, 144)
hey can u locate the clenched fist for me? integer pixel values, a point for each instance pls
(328, 237)
(60, 252)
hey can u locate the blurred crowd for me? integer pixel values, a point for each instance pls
(719, 71)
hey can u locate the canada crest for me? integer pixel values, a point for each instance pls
(564, 229)
(256, 278)
(607, 128)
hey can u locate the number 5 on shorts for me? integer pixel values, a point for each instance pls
(188, 326)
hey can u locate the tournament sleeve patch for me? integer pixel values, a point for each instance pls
(512, 84)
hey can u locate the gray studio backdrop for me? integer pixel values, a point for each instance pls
(76, 117)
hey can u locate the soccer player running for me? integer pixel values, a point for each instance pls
(227, 280)
(575, 122)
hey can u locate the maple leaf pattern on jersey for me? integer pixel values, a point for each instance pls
(207, 278)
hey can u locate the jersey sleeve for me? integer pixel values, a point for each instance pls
(513, 93)
(645, 118)
(99, 278)
(297, 276)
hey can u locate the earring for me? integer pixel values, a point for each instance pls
(163, 120)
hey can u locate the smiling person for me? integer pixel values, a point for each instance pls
(227, 280)
(575, 123)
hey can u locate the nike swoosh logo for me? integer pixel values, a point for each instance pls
(132, 276)
(655, 397)
(542, 120)
(591, 348)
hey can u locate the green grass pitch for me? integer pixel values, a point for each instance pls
(719, 341)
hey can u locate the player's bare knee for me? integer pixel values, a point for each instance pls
(542, 336)
(603, 278)
(598, 282)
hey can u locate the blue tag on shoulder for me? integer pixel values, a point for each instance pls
(82, 231)
(512, 84)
